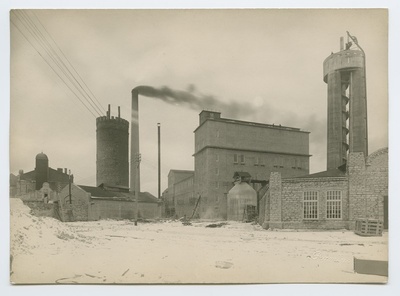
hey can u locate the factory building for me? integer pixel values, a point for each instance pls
(354, 188)
(29, 184)
(89, 203)
(180, 187)
(225, 146)
(112, 197)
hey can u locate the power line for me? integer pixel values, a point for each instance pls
(67, 60)
(51, 66)
(83, 82)
(56, 58)
(43, 42)
(38, 36)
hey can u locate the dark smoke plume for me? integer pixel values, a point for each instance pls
(194, 101)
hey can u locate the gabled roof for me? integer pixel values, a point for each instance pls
(242, 174)
(325, 174)
(28, 176)
(57, 176)
(101, 193)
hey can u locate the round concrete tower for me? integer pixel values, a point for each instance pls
(344, 73)
(112, 158)
(41, 170)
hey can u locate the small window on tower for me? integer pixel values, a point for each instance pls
(235, 158)
(242, 159)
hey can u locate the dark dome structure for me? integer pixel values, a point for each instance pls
(41, 170)
(41, 155)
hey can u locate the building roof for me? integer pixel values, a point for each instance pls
(250, 123)
(242, 175)
(41, 155)
(325, 174)
(101, 193)
(58, 176)
(29, 176)
(181, 171)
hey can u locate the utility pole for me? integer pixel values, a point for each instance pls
(159, 160)
(137, 190)
(69, 187)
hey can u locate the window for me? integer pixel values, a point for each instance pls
(257, 161)
(334, 204)
(216, 157)
(217, 171)
(242, 159)
(216, 198)
(310, 205)
(217, 134)
(235, 158)
(217, 185)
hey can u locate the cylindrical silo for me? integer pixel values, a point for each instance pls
(241, 195)
(344, 73)
(112, 158)
(41, 170)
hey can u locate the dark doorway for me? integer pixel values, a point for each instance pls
(385, 212)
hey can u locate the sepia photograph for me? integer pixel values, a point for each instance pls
(199, 146)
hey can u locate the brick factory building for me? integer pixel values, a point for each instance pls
(354, 187)
(225, 146)
(334, 199)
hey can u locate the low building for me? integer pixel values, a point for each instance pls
(178, 197)
(88, 203)
(334, 199)
(28, 183)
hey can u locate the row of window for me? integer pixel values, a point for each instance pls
(279, 162)
(333, 205)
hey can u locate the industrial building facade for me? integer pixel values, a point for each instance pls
(355, 185)
(29, 185)
(225, 146)
(333, 199)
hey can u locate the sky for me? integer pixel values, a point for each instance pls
(268, 63)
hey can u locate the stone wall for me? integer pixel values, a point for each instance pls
(368, 184)
(283, 203)
(122, 209)
(40, 209)
(76, 209)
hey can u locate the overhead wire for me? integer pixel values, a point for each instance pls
(40, 54)
(51, 37)
(43, 42)
(57, 60)
(101, 109)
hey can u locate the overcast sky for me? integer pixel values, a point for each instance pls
(267, 61)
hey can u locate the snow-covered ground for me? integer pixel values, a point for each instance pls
(45, 250)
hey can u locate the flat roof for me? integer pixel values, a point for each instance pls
(250, 123)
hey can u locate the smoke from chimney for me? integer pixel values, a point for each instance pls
(194, 101)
